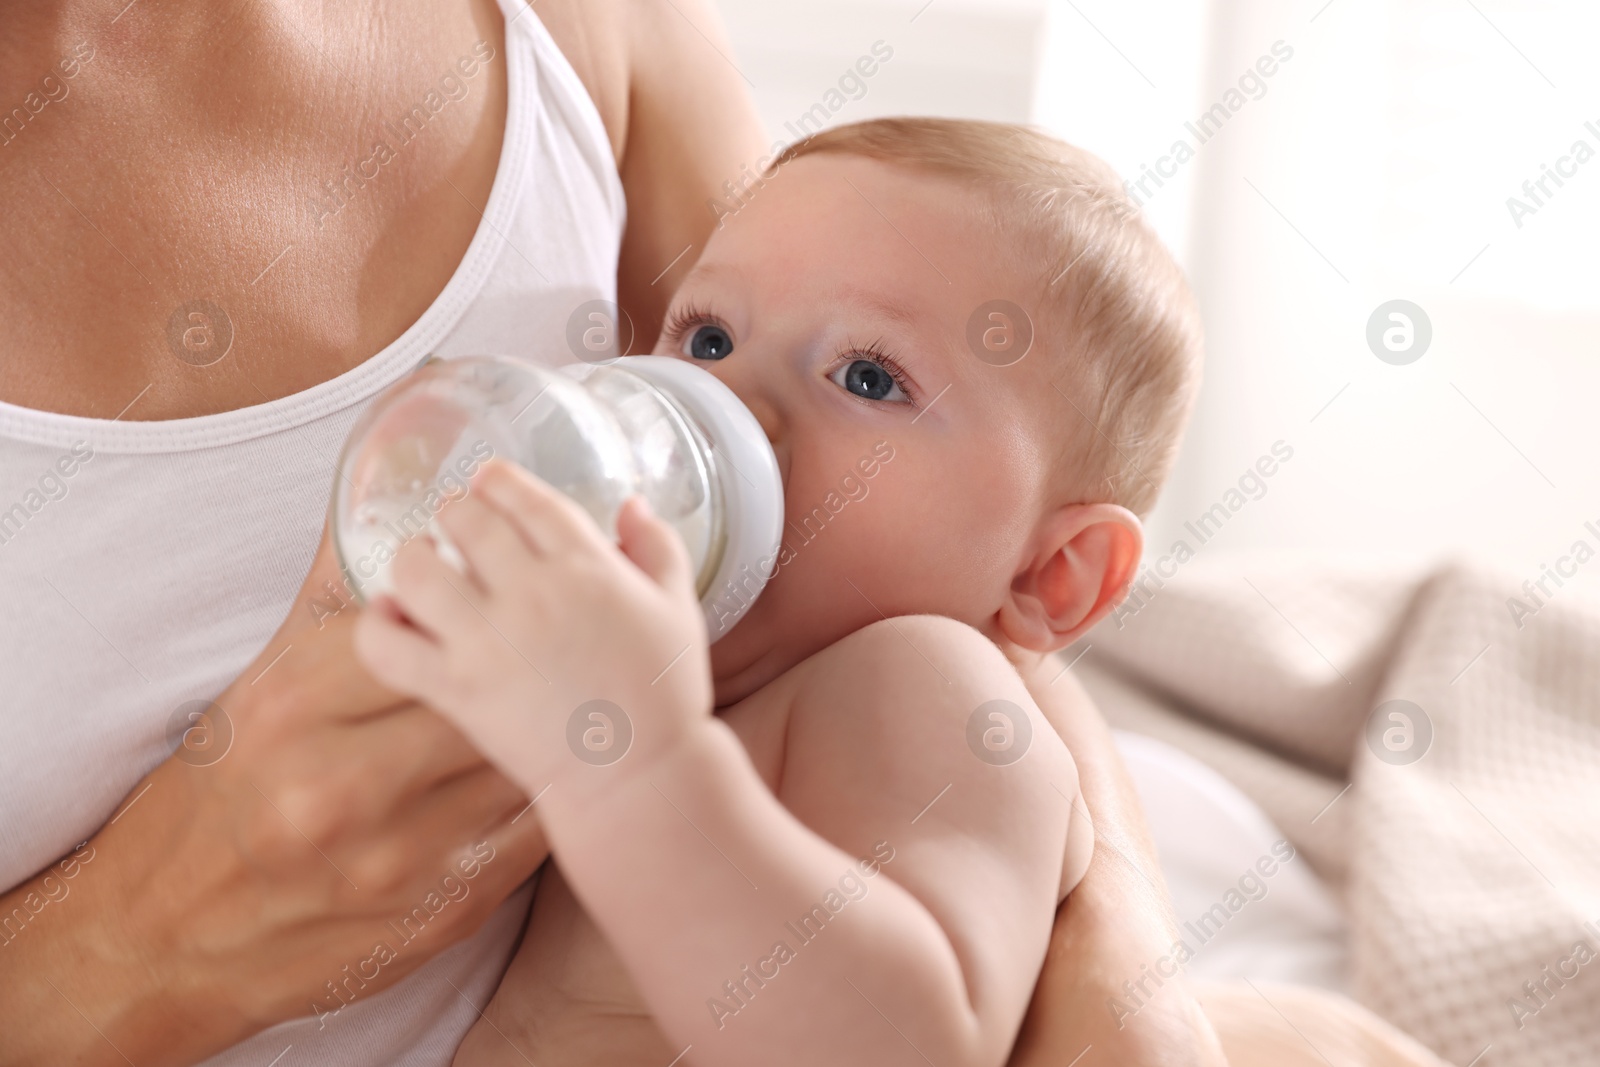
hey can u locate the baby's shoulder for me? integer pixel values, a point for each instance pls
(919, 731)
(919, 688)
(901, 658)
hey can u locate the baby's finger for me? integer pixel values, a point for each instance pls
(495, 550)
(434, 595)
(396, 654)
(547, 518)
(654, 547)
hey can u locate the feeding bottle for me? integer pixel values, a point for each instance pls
(652, 425)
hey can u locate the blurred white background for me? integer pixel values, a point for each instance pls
(1375, 163)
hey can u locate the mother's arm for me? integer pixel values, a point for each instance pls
(681, 121)
(1112, 929)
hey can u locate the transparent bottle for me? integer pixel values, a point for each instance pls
(660, 427)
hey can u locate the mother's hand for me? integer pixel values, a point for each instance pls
(226, 894)
(1113, 928)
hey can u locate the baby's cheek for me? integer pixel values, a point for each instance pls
(821, 594)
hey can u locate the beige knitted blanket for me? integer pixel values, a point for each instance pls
(1467, 844)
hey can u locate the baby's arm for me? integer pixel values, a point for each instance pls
(709, 889)
(749, 924)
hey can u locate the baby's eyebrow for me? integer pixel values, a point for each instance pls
(703, 271)
(913, 326)
(890, 309)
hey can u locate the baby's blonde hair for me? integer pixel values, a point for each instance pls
(1123, 314)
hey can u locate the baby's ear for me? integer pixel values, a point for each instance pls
(1084, 558)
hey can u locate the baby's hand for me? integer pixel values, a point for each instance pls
(549, 617)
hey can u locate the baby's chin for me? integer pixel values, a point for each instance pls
(775, 635)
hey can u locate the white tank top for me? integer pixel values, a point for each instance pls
(152, 573)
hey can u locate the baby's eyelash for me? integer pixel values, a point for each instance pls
(876, 352)
(688, 317)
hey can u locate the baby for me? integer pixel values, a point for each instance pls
(840, 835)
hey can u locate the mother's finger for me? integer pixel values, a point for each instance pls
(313, 676)
(411, 752)
(471, 804)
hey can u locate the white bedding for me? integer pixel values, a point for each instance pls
(1214, 843)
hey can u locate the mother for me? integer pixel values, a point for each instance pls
(230, 226)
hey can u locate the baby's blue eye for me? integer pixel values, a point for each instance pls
(708, 342)
(868, 380)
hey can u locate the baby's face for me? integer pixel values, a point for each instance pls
(836, 304)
